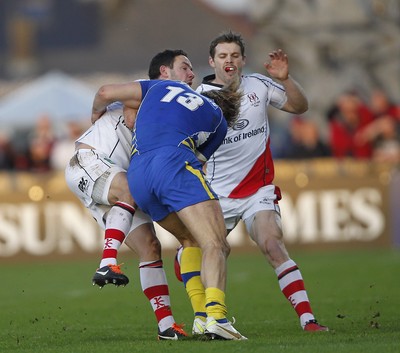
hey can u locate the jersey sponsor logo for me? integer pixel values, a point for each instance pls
(241, 124)
(243, 135)
(83, 184)
(253, 132)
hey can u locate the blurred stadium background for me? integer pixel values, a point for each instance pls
(55, 54)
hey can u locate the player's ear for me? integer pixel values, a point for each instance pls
(211, 62)
(164, 73)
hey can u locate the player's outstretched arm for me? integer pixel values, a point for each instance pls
(278, 68)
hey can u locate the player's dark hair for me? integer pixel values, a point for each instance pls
(166, 58)
(227, 37)
(228, 99)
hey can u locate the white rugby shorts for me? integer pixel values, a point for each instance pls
(89, 175)
(266, 198)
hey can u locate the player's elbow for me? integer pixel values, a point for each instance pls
(303, 108)
(104, 93)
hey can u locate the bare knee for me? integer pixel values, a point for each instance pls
(218, 246)
(152, 247)
(144, 243)
(274, 250)
(267, 233)
(119, 190)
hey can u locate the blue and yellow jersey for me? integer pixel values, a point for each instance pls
(172, 114)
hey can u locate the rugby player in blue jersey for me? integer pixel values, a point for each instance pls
(176, 129)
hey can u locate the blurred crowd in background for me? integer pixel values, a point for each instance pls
(358, 128)
(39, 149)
(332, 45)
(355, 127)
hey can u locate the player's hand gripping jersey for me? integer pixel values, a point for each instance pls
(243, 163)
(172, 114)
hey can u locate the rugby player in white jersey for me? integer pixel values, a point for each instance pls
(97, 176)
(241, 171)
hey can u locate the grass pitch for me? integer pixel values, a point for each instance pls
(52, 307)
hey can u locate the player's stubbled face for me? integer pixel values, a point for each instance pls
(227, 62)
(182, 70)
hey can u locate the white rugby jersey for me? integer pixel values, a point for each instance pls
(243, 163)
(110, 135)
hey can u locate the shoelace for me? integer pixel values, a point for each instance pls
(179, 329)
(229, 322)
(115, 268)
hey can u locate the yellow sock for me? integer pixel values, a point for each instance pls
(215, 303)
(190, 271)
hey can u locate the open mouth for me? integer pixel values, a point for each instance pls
(229, 69)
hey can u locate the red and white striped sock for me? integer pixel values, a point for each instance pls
(292, 286)
(155, 287)
(118, 224)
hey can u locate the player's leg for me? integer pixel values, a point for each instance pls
(119, 218)
(191, 260)
(181, 187)
(143, 241)
(112, 188)
(266, 231)
(205, 222)
(189, 269)
(90, 177)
